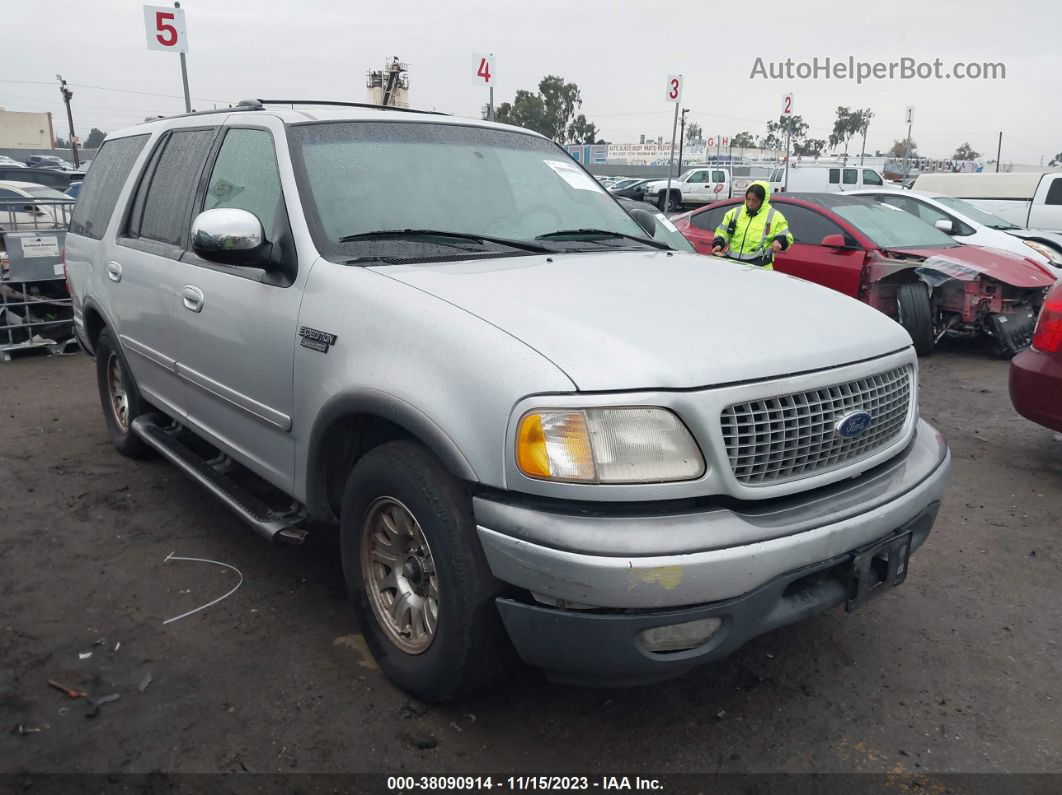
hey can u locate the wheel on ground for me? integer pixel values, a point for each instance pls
(421, 588)
(119, 397)
(915, 313)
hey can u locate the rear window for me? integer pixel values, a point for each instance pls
(1054, 193)
(100, 189)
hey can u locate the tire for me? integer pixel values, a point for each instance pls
(465, 646)
(916, 315)
(665, 205)
(119, 397)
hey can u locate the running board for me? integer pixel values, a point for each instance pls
(160, 433)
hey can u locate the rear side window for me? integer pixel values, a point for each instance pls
(163, 206)
(718, 176)
(103, 183)
(709, 220)
(1054, 193)
(835, 176)
(245, 176)
(851, 176)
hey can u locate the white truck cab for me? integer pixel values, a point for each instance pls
(1032, 199)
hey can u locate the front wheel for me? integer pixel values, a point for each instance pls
(915, 313)
(421, 588)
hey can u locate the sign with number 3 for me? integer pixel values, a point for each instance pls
(674, 88)
(165, 29)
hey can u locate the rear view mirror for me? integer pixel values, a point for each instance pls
(833, 241)
(945, 226)
(645, 220)
(230, 236)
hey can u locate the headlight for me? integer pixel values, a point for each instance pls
(613, 445)
(1042, 250)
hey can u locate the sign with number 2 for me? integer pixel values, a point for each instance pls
(674, 88)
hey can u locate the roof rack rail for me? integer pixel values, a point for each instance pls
(242, 105)
(293, 102)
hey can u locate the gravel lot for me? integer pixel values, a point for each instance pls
(957, 671)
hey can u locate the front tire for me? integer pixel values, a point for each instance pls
(119, 397)
(420, 585)
(916, 315)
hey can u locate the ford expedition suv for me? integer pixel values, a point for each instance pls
(535, 427)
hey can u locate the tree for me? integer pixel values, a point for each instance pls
(551, 112)
(795, 126)
(743, 140)
(965, 152)
(95, 138)
(899, 148)
(812, 147)
(61, 143)
(1055, 161)
(862, 123)
(694, 132)
(843, 128)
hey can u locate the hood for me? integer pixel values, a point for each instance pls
(647, 320)
(993, 262)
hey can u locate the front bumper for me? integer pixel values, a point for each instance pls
(638, 571)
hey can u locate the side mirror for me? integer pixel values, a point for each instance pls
(645, 220)
(833, 241)
(945, 226)
(231, 237)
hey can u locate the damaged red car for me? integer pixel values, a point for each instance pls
(900, 265)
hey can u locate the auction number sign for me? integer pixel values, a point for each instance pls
(165, 29)
(787, 104)
(674, 88)
(484, 69)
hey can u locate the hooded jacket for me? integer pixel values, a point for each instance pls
(748, 238)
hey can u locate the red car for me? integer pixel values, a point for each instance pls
(1036, 374)
(900, 265)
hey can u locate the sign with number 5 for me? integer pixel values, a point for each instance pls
(674, 88)
(165, 29)
(484, 69)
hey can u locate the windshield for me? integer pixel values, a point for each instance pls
(976, 214)
(46, 193)
(890, 227)
(362, 177)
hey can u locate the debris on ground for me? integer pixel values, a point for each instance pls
(239, 573)
(720, 714)
(68, 691)
(414, 709)
(145, 680)
(426, 743)
(84, 655)
(96, 703)
(22, 730)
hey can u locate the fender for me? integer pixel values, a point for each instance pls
(387, 407)
(86, 305)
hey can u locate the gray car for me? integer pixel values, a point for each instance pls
(534, 426)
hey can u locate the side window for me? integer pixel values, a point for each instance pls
(718, 176)
(851, 176)
(709, 220)
(808, 226)
(168, 199)
(899, 202)
(698, 177)
(1054, 193)
(246, 176)
(777, 175)
(835, 176)
(871, 177)
(102, 185)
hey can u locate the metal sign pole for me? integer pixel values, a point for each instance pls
(184, 77)
(671, 160)
(785, 183)
(907, 153)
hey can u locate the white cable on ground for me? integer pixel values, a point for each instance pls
(171, 556)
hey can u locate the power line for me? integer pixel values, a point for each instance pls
(119, 90)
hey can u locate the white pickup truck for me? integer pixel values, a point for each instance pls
(1032, 199)
(706, 184)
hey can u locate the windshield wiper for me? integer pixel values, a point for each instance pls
(601, 233)
(399, 233)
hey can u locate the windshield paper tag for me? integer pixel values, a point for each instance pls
(573, 175)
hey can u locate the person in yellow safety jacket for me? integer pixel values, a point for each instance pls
(754, 231)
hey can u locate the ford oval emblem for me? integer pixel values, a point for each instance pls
(851, 425)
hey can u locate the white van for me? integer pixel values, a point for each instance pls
(833, 179)
(1032, 199)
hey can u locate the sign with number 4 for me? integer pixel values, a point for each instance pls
(165, 29)
(674, 88)
(485, 70)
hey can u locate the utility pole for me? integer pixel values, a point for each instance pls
(999, 151)
(682, 135)
(184, 77)
(907, 145)
(67, 96)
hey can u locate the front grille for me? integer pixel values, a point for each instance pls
(793, 436)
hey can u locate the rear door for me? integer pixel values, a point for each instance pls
(1046, 210)
(236, 337)
(840, 269)
(142, 266)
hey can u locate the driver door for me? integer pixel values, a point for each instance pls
(840, 269)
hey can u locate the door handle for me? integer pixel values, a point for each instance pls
(114, 271)
(192, 297)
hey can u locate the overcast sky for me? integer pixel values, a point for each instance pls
(619, 53)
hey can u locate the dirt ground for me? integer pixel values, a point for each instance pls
(956, 671)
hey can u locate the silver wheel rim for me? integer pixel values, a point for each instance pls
(399, 575)
(116, 391)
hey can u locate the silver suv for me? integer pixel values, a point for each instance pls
(535, 426)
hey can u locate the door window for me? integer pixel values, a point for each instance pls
(164, 204)
(851, 176)
(835, 176)
(807, 226)
(698, 177)
(871, 177)
(718, 176)
(246, 177)
(1054, 193)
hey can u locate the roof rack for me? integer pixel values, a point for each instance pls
(263, 102)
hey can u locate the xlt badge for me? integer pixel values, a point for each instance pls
(317, 340)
